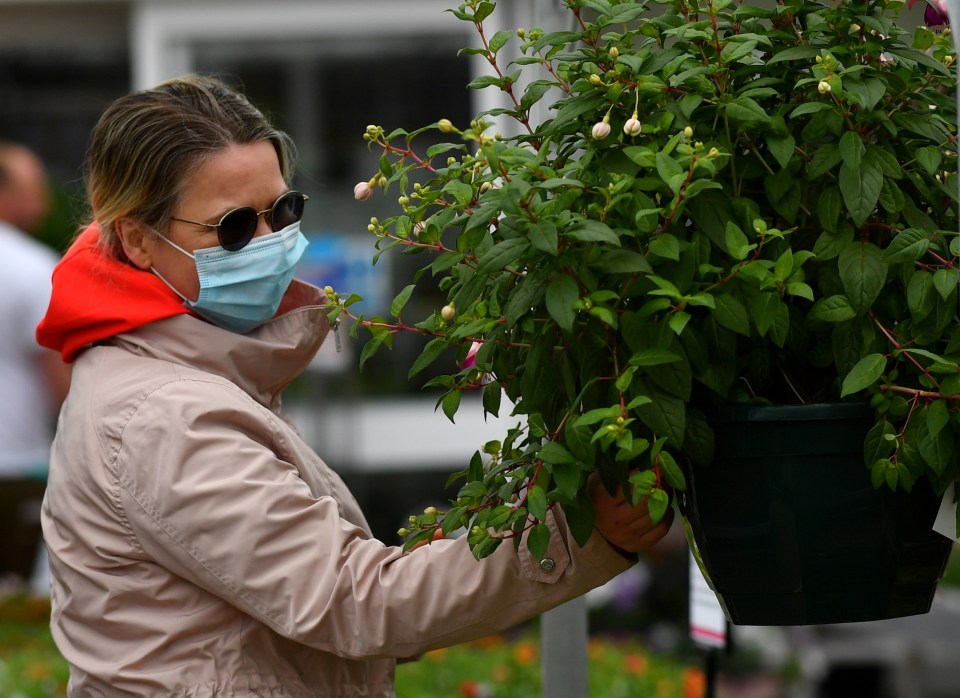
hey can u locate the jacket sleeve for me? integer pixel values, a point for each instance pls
(206, 498)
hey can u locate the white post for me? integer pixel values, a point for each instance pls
(564, 630)
(563, 649)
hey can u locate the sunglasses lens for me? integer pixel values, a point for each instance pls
(237, 229)
(287, 210)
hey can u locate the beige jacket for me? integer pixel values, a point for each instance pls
(200, 548)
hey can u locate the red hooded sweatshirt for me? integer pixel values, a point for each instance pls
(96, 296)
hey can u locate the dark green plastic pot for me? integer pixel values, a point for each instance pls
(789, 530)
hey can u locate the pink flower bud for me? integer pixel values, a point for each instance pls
(471, 359)
(632, 127)
(601, 130)
(362, 191)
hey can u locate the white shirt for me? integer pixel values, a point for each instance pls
(26, 415)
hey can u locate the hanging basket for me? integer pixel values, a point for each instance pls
(789, 530)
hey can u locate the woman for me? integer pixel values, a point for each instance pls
(198, 546)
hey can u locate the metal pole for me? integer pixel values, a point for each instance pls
(563, 649)
(711, 666)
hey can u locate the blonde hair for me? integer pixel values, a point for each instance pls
(146, 145)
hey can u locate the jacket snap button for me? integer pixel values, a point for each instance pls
(548, 565)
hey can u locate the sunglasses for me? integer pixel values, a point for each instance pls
(237, 227)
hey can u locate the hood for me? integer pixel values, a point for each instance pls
(96, 296)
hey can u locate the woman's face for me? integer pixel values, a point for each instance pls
(238, 176)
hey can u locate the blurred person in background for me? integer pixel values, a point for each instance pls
(198, 546)
(33, 379)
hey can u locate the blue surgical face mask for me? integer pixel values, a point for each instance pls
(239, 291)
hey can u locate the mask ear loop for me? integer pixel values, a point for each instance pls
(177, 247)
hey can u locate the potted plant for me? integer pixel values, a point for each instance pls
(728, 203)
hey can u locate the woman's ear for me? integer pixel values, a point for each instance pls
(136, 240)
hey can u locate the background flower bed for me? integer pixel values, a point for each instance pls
(496, 667)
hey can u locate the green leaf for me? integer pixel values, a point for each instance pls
(810, 108)
(860, 186)
(946, 282)
(401, 300)
(544, 237)
(879, 443)
(657, 504)
(537, 502)
(554, 453)
(891, 196)
(828, 209)
(736, 242)
(862, 274)
(746, 111)
(734, 51)
(795, 53)
(678, 321)
(670, 171)
(784, 192)
(832, 309)
(653, 357)
(937, 450)
(431, 352)
(782, 147)
(763, 308)
(869, 91)
(852, 149)
(938, 416)
(865, 373)
(461, 192)
(596, 415)
(887, 161)
(492, 395)
(824, 159)
(644, 482)
(561, 299)
(483, 10)
(908, 246)
(921, 295)
(671, 471)
(450, 404)
(592, 231)
(665, 414)
(538, 539)
(568, 478)
(929, 158)
(499, 40)
(780, 326)
(371, 346)
(666, 246)
(622, 262)
(581, 517)
(502, 255)
(483, 546)
(732, 314)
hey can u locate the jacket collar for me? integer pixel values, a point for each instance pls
(262, 363)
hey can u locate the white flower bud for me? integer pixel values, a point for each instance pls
(824, 87)
(601, 130)
(632, 127)
(362, 191)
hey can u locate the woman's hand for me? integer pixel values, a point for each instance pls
(626, 526)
